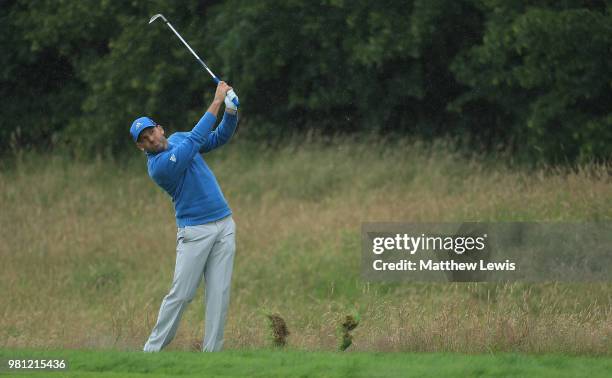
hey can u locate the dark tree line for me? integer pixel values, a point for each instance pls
(534, 77)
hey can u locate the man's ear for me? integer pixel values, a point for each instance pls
(139, 146)
(162, 129)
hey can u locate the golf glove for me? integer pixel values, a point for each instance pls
(231, 100)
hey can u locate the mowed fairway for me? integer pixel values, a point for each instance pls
(88, 252)
(266, 363)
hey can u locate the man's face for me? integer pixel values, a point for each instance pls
(152, 139)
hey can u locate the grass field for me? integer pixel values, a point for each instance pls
(267, 363)
(88, 253)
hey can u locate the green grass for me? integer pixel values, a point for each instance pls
(88, 250)
(268, 363)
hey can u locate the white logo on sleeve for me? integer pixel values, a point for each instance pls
(173, 158)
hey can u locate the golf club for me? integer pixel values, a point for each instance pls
(231, 94)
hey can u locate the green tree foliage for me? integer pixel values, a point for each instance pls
(542, 78)
(532, 76)
(111, 67)
(38, 89)
(345, 65)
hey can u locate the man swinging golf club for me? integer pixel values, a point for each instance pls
(206, 231)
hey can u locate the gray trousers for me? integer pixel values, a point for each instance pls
(205, 250)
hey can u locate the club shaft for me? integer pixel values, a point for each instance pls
(193, 52)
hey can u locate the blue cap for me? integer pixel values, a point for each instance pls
(140, 124)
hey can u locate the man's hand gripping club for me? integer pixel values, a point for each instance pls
(222, 96)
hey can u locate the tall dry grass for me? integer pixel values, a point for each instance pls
(88, 252)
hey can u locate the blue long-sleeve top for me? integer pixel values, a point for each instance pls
(182, 172)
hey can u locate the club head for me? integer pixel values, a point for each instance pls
(158, 16)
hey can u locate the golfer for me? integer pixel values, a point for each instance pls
(205, 239)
